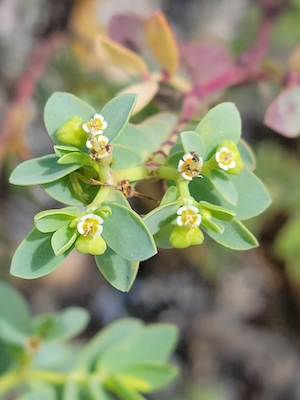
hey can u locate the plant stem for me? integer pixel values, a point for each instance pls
(167, 173)
(9, 380)
(99, 198)
(183, 188)
(132, 174)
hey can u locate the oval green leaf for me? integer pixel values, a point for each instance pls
(222, 122)
(40, 170)
(127, 235)
(118, 271)
(60, 108)
(34, 257)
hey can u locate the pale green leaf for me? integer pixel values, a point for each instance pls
(223, 122)
(119, 272)
(133, 240)
(60, 108)
(34, 257)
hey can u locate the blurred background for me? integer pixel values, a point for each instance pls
(238, 312)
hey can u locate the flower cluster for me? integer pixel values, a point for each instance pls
(190, 165)
(90, 240)
(187, 232)
(97, 143)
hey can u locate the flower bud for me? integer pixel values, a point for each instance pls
(182, 236)
(72, 133)
(94, 245)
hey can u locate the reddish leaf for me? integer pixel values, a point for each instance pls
(283, 114)
(162, 42)
(128, 31)
(145, 90)
(206, 60)
(111, 53)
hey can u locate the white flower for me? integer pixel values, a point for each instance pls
(188, 216)
(98, 146)
(90, 224)
(225, 159)
(190, 165)
(96, 125)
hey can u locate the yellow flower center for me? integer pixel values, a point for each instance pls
(90, 226)
(226, 157)
(189, 217)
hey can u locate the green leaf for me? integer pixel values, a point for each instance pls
(136, 139)
(224, 214)
(52, 220)
(148, 377)
(34, 257)
(15, 320)
(158, 128)
(71, 390)
(63, 325)
(39, 391)
(71, 191)
(247, 154)
(192, 141)
(117, 113)
(161, 216)
(60, 108)
(235, 236)
(253, 195)
(223, 186)
(135, 243)
(153, 343)
(125, 157)
(119, 272)
(53, 355)
(107, 338)
(75, 157)
(40, 170)
(222, 122)
(162, 237)
(123, 391)
(63, 239)
(170, 196)
(97, 391)
(61, 150)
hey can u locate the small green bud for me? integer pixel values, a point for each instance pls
(90, 244)
(183, 236)
(72, 133)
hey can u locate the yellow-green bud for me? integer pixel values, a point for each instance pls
(182, 236)
(89, 244)
(72, 133)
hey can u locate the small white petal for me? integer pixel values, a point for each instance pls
(103, 140)
(198, 220)
(232, 164)
(85, 128)
(88, 144)
(181, 165)
(187, 176)
(222, 166)
(181, 210)
(193, 208)
(80, 227)
(187, 156)
(99, 230)
(179, 221)
(217, 156)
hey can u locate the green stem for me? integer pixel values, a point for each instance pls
(183, 188)
(99, 198)
(168, 173)
(9, 380)
(56, 378)
(132, 174)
